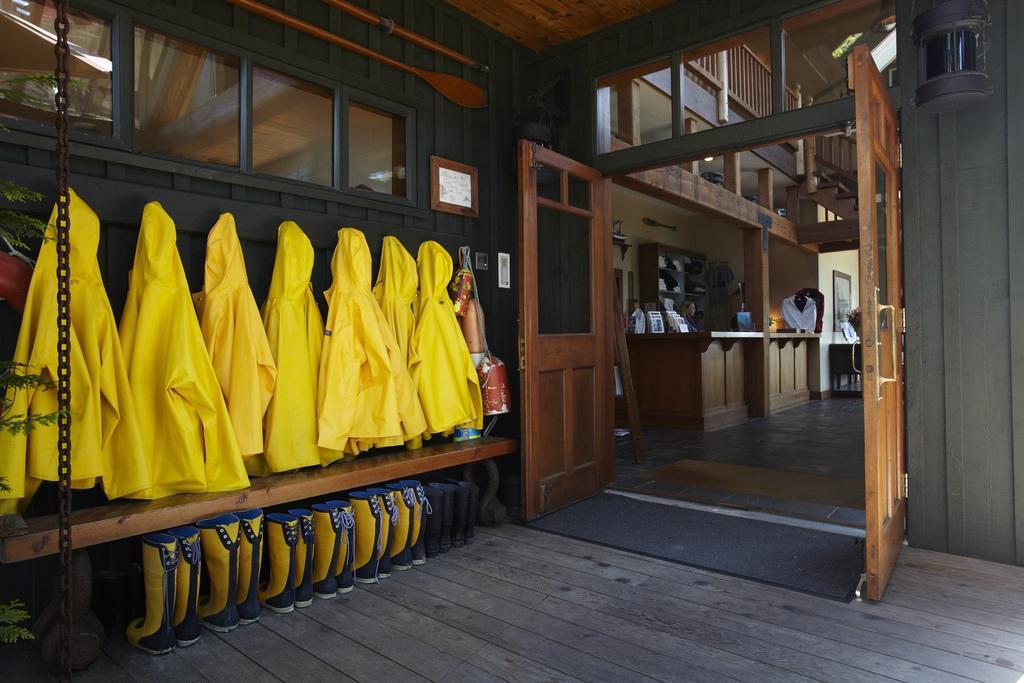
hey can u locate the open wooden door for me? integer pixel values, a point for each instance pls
(881, 298)
(565, 327)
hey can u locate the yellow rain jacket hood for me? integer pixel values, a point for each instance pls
(360, 388)
(106, 443)
(442, 370)
(186, 430)
(235, 338)
(295, 330)
(396, 294)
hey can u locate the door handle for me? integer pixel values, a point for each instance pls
(882, 379)
(853, 357)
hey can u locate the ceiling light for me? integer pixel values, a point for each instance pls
(709, 158)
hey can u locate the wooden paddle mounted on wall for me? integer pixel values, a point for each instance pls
(458, 90)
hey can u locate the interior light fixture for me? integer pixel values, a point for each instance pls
(709, 158)
(950, 42)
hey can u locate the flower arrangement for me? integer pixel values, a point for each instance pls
(853, 317)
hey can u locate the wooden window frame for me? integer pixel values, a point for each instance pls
(352, 95)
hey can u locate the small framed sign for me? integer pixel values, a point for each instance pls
(453, 187)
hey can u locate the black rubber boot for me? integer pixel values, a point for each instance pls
(447, 511)
(460, 511)
(432, 535)
(474, 510)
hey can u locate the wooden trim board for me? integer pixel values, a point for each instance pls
(104, 523)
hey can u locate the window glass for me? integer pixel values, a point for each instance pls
(27, 63)
(293, 124)
(817, 44)
(376, 150)
(563, 272)
(186, 99)
(728, 81)
(635, 106)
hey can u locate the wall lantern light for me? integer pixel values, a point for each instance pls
(948, 38)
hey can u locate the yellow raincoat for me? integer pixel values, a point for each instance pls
(106, 443)
(236, 340)
(363, 402)
(295, 331)
(186, 429)
(442, 369)
(396, 293)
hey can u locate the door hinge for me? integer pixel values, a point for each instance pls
(905, 481)
(522, 353)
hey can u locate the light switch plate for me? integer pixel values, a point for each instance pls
(504, 271)
(481, 260)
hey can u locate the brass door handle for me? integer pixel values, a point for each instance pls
(853, 357)
(882, 379)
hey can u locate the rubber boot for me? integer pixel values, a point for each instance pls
(278, 594)
(401, 546)
(186, 589)
(344, 575)
(250, 556)
(474, 510)
(219, 538)
(367, 513)
(327, 531)
(304, 557)
(388, 520)
(460, 512)
(432, 534)
(418, 529)
(154, 633)
(447, 510)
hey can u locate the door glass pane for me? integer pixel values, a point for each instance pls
(549, 183)
(292, 127)
(27, 63)
(186, 99)
(563, 272)
(579, 192)
(817, 44)
(376, 150)
(881, 218)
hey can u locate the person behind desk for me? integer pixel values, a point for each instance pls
(689, 314)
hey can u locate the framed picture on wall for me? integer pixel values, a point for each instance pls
(842, 295)
(453, 187)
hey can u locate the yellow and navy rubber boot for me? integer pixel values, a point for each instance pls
(432, 533)
(186, 591)
(388, 520)
(418, 527)
(327, 539)
(250, 556)
(401, 546)
(460, 512)
(154, 633)
(219, 538)
(304, 557)
(282, 536)
(344, 574)
(368, 534)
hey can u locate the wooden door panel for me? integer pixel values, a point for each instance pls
(881, 297)
(565, 327)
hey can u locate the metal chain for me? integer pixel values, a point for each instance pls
(60, 26)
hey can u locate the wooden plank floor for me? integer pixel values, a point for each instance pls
(523, 605)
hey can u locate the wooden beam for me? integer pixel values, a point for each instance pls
(731, 161)
(114, 521)
(828, 231)
(766, 188)
(755, 362)
(828, 247)
(793, 203)
(690, 126)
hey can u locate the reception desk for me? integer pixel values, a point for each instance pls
(695, 381)
(789, 372)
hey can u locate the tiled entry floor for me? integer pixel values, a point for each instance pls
(819, 443)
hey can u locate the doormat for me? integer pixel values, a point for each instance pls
(807, 560)
(762, 481)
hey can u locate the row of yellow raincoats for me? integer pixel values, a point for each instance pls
(182, 403)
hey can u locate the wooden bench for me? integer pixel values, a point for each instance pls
(126, 519)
